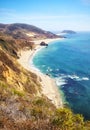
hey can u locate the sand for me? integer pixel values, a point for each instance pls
(48, 84)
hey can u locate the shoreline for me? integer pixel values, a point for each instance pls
(49, 87)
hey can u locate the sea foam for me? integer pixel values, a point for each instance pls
(62, 80)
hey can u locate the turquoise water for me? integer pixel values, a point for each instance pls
(68, 61)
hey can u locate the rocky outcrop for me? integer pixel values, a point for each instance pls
(43, 44)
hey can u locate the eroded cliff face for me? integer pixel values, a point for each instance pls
(17, 88)
(13, 74)
(21, 101)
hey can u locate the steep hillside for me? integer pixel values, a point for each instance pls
(20, 93)
(25, 31)
(12, 46)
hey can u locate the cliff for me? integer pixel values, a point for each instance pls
(20, 93)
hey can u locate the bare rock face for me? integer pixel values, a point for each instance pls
(5, 71)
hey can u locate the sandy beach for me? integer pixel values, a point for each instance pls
(48, 84)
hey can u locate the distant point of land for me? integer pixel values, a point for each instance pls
(68, 31)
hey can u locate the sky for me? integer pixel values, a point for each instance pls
(51, 15)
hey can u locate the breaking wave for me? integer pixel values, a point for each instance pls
(63, 79)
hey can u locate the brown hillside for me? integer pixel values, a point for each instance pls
(25, 31)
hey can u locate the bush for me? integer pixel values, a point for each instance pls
(16, 92)
(66, 120)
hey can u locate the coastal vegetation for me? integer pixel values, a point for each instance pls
(22, 104)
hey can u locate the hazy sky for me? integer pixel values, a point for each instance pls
(47, 14)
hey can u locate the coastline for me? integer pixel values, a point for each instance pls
(49, 88)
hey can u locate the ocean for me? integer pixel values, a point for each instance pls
(68, 62)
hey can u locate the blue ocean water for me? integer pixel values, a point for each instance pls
(68, 61)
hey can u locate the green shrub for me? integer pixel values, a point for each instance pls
(16, 92)
(3, 85)
(66, 120)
